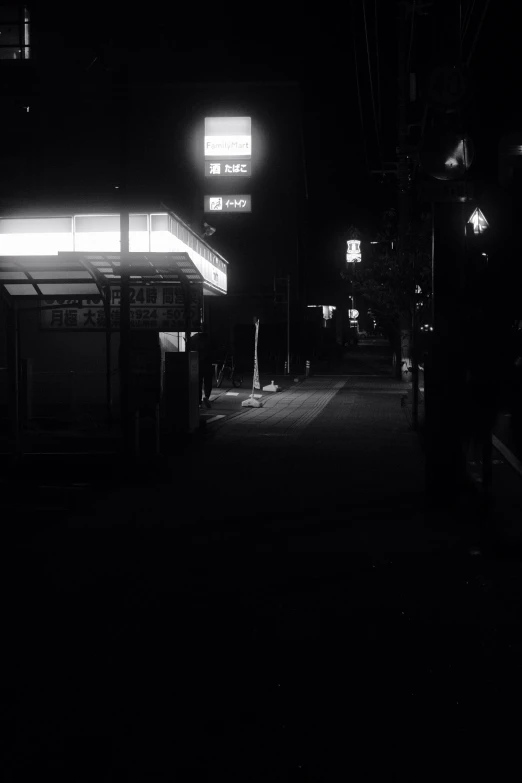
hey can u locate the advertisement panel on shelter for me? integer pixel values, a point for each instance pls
(159, 307)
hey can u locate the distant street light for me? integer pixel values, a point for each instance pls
(353, 251)
(353, 246)
(353, 256)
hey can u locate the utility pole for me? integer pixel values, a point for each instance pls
(288, 323)
(402, 172)
(446, 365)
(124, 358)
(277, 301)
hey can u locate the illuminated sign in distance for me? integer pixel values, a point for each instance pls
(237, 203)
(228, 168)
(227, 137)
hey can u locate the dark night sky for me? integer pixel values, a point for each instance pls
(317, 53)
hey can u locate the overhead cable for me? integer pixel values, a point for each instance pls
(371, 84)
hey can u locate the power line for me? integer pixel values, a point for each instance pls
(378, 69)
(411, 36)
(477, 34)
(467, 20)
(371, 84)
(359, 89)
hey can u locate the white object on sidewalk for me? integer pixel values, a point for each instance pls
(272, 387)
(251, 402)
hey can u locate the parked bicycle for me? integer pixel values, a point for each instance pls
(228, 370)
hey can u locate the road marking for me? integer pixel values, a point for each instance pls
(515, 463)
(232, 394)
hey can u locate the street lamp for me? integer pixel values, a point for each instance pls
(208, 231)
(353, 246)
(353, 256)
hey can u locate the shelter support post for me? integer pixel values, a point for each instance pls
(108, 375)
(13, 366)
(125, 368)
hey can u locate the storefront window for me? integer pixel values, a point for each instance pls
(14, 32)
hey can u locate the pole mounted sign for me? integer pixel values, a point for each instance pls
(228, 146)
(227, 153)
(227, 137)
(224, 168)
(242, 203)
(478, 221)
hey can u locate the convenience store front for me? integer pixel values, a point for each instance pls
(150, 232)
(61, 276)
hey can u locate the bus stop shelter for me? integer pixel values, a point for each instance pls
(76, 281)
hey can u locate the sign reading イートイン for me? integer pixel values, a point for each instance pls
(241, 203)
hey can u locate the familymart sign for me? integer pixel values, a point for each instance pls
(228, 137)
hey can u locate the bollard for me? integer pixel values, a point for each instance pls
(158, 423)
(137, 433)
(307, 368)
(286, 367)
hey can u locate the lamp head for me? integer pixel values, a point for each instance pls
(208, 230)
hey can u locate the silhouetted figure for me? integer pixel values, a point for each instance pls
(202, 343)
(481, 401)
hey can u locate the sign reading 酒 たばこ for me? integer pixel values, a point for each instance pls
(228, 168)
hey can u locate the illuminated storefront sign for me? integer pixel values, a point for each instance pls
(242, 203)
(227, 137)
(228, 168)
(90, 233)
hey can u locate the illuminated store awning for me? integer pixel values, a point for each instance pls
(44, 276)
(84, 275)
(149, 233)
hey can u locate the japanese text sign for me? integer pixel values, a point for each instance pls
(228, 168)
(241, 203)
(160, 308)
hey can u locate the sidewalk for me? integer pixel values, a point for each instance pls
(278, 599)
